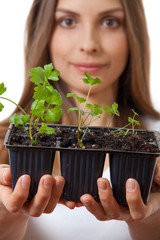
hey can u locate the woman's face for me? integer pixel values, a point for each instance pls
(89, 35)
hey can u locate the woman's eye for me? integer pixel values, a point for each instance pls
(111, 22)
(68, 22)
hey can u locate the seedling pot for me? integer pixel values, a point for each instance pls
(30, 160)
(81, 167)
(132, 164)
(138, 166)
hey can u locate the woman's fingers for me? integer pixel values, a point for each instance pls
(36, 207)
(48, 195)
(110, 206)
(107, 208)
(5, 175)
(14, 200)
(93, 207)
(56, 193)
(138, 210)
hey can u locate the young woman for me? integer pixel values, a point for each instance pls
(109, 39)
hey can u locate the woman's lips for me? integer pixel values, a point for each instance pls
(91, 67)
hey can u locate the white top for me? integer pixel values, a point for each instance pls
(76, 224)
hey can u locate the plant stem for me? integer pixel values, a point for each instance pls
(91, 121)
(30, 128)
(14, 104)
(81, 117)
(85, 118)
(85, 105)
(122, 127)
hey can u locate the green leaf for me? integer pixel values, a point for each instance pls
(87, 75)
(37, 75)
(71, 95)
(38, 109)
(53, 97)
(137, 122)
(115, 108)
(90, 106)
(108, 109)
(76, 109)
(90, 80)
(130, 119)
(54, 76)
(97, 109)
(19, 119)
(80, 99)
(121, 132)
(45, 129)
(48, 70)
(73, 109)
(1, 107)
(2, 88)
(50, 73)
(54, 114)
(41, 92)
(111, 110)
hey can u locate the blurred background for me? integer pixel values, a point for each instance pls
(13, 16)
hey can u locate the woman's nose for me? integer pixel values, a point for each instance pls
(89, 41)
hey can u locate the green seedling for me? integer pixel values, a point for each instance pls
(88, 113)
(46, 105)
(131, 122)
(111, 111)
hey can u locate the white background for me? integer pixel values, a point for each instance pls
(13, 14)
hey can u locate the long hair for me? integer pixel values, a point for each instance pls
(133, 89)
(134, 83)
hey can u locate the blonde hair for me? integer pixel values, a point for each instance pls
(133, 89)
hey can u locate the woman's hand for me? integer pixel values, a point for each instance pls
(108, 208)
(48, 194)
(136, 215)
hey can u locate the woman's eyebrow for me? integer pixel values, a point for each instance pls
(64, 10)
(111, 11)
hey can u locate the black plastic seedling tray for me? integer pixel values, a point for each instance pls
(81, 167)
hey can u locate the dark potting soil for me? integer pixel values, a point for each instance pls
(142, 141)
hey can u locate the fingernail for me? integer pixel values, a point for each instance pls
(24, 182)
(4, 177)
(59, 182)
(130, 185)
(86, 203)
(47, 182)
(102, 185)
